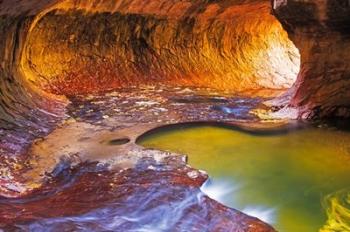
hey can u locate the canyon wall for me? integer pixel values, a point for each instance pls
(53, 48)
(320, 30)
(26, 112)
(70, 46)
(81, 47)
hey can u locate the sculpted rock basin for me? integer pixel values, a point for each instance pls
(297, 180)
(62, 143)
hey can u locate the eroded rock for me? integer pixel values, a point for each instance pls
(320, 30)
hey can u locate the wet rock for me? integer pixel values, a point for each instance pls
(69, 47)
(130, 200)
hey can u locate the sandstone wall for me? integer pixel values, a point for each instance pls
(71, 46)
(320, 30)
(82, 47)
(67, 47)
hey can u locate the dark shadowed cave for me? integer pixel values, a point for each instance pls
(82, 80)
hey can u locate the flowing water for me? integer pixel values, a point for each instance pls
(297, 180)
(88, 175)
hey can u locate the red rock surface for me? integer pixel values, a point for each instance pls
(67, 47)
(79, 46)
(153, 196)
(321, 32)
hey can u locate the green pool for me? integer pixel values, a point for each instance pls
(299, 181)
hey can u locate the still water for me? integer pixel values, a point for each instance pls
(297, 180)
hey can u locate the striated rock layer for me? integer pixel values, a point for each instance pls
(321, 31)
(53, 48)
(83, 47)
(49, 49)
(67, 47)
(92, 198)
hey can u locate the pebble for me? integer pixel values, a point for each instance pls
(193, 174)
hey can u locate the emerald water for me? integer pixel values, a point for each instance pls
(297, 180)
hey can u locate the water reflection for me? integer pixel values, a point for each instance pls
(337, 206)
(281, 178)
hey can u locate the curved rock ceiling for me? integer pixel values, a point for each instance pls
(76, 47)
(321, 31)
(55, 48)
(49, 49)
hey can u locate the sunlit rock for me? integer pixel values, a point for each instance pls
(81, 79)
(320, 30)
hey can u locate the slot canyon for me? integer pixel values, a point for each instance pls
(105, 105)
